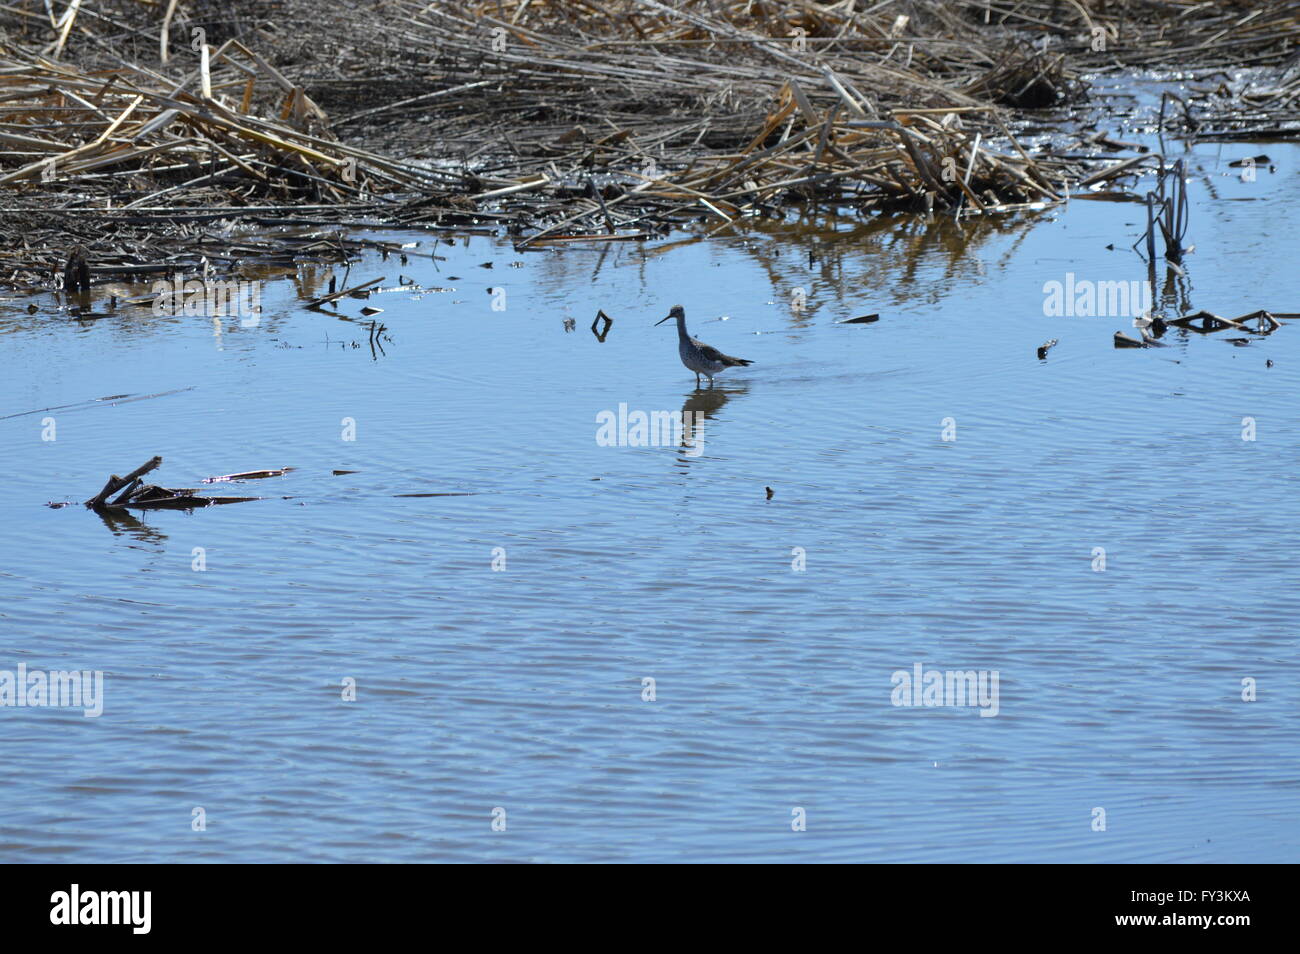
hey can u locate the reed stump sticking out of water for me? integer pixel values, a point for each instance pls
(76, 273)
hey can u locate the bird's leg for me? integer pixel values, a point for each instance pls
(697, 380)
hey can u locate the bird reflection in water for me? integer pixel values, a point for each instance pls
(700, 406)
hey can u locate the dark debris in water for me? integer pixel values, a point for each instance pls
(1259, 323)
(450, 494)
(120, 493)
(1205, 322)
(249, 475)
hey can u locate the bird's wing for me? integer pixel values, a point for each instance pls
(713, 354)
(710, 352)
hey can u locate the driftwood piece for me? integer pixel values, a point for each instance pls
(325, 299)
(136, 493)
(163, 498)
(121, 499)
(1265, 322)
(249, 475)
(1204, 322)
(116, 483)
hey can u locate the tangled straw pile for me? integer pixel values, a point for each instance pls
(559, 120)
(130, 147)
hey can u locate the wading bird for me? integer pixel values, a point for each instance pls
(695, 354)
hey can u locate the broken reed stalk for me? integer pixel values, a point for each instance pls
(1174, 220)
(116, 483)
(1167, 210)
(76, 273)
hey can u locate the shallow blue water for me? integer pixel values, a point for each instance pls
(521, 688)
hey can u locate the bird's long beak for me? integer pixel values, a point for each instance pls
(662, 320)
